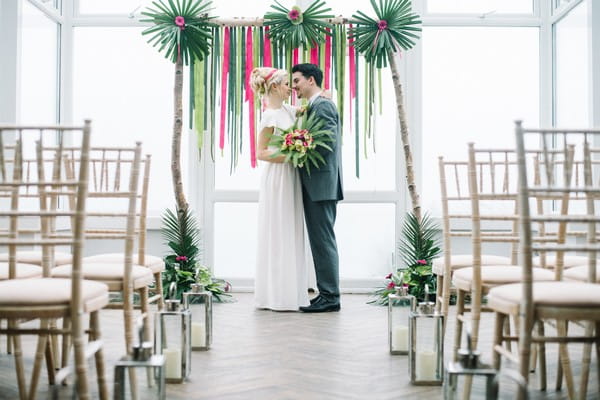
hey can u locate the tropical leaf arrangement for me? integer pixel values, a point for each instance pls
(418, 247)
(303, 142)
(295, 27)
(181, 28)
(394, 28)
(182, 266)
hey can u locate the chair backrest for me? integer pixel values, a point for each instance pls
(112, 195)
(558, 151)
(31, 223)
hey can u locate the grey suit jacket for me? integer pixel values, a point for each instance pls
(325, 183)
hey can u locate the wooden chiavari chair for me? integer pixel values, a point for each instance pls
(559, 301)
(46, 299)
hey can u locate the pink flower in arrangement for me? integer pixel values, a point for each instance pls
(391, 285)
(227, 287)
(180, 21)
(388, 276)
(422, 262)
(181, 258)
(293, 14)
(382, 24)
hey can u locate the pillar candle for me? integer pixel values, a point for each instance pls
(172, 363)
(400, 338)
(198, 334)
(426, 365)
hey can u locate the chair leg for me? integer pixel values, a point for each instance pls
(159, 290)
(99, 356)
(525, 330)
(50, 364)
(18, 356)
(506, 328)
(145, 309)
(66, 343)
(498, 339)
(460, 311)
(597, 335)
(562, 329)
(542, 356)
(80, 362)
(39, 358)
(587, 359)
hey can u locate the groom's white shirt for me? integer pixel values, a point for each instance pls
(313, 98)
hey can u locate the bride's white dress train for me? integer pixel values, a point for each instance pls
(282, 261)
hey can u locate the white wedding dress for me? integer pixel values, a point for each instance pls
(283, 259)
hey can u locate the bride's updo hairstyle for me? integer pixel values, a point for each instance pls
(263, 78)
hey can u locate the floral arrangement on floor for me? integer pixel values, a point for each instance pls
(182, 265)
(418, 247)
(299, 143)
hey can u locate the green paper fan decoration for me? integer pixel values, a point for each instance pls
(295, 28)
(394, 28)
(181, 28)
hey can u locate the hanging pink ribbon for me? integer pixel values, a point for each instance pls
(250, 97)
(295, 57)
(351, 73)
(267, 50)
(327, 59)
(314, 54)
(224, 72)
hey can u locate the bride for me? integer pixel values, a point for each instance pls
(281, 279)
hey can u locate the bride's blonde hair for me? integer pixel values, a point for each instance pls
(263, 78)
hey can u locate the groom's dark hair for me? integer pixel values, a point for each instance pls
(308, 70)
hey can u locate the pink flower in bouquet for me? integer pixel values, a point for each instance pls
(422, 262)
(382, 24)
(180, 21)
(388, 276)
(391, 285)
(181, 258)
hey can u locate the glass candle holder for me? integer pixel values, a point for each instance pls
(426, 356)
(400, 304)
(173, 340)
(199, 302)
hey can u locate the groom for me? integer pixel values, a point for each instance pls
(321, 190)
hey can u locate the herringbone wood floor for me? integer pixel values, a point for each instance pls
(258, 354)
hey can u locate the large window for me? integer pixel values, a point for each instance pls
(39, 67)
(126, 88)
(484, 7)
(572, 106)
(476, 82)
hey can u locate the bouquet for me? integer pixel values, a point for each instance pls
(299, 143)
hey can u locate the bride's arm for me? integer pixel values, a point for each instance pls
(263, 152)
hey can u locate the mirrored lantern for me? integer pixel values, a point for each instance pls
(172, 339)
(199, 302)
(467, 369)
(400, 304)
(140, 375)
(426, 342)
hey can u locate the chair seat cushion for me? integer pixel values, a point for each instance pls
(47, 292)
(569, 261)
(580, 274)
(494, 275)
(111, 274)
(23, 271)
(156, 264)
(458, 261)
(572, 295)
(35, 257)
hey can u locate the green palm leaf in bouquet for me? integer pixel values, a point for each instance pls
(394, 28)
(181, 28)
(294, 27)
(303, 142)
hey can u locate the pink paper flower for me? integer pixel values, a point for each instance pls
(180, 21)
(293, 14)
(391, 285)
(422, 262)
(181, 258)
(382, 24)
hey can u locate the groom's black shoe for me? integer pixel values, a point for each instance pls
(315, 299)
(321, 305)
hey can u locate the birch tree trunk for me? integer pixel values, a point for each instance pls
(182, 204)
(410, 173)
